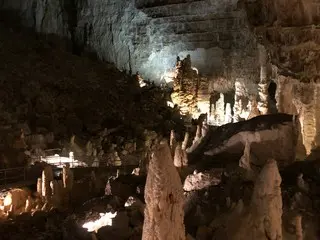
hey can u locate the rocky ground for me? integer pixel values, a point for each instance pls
(49, 94)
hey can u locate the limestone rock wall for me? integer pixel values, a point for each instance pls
(302, 99)
(146, 36)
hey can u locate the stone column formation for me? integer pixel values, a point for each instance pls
(239, 96)
(263, 104)
(164, 198)
(303, 99)
(47, 177)
(299, 232)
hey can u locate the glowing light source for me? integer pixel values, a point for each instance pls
(61, 161)
(104, 220)
(170, 104)
(7, 200)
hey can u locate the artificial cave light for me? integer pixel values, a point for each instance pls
(59, 161)
(170, 104)
(7, 201)
(104, 220)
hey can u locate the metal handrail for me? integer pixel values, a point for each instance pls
(21, 175)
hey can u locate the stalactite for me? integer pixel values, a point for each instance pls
(164, 199)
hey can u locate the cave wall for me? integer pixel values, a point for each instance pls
(302, 99)
(146, 36)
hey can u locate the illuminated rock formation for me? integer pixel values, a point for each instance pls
(178, 156)
(239, 100)
(253, 110)
(302, 99)
(263, 104)
(147, 35)
(164, 199)
(67, 177)
(47, 177)
(268, 136)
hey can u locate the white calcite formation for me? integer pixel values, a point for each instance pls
(239, 100)
(197, 181)
(164, 215)
(303, 99)
(263, 104)
(277, 142)
(180, 158)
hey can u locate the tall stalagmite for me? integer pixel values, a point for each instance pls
(263, 221)
(47, 177)
(263, 104)
(164, 199)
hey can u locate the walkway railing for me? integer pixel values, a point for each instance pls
(11, 175)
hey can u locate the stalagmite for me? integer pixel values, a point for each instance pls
(185, 141)
(204, 129)
(198, 134)
(263, 104)
(197, 139)
(56, 192)
(239, 94)
(164, 199)
(67, 177)
(263, 221)
(47, 177)
(220, 111)
(228, 114)
(253, 108)
(173, 142)
(117, 159)
(39, 186)
(299, 232)
(180, 156)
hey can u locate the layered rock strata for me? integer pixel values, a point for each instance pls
(147, 36)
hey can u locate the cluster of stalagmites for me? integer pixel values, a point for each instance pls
(51, 194)
(262, 219)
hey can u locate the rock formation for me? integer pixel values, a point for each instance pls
(268, 135)
(148, 35)
(47, 177)
(264, 217)
(298, 225)
(164, 199)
